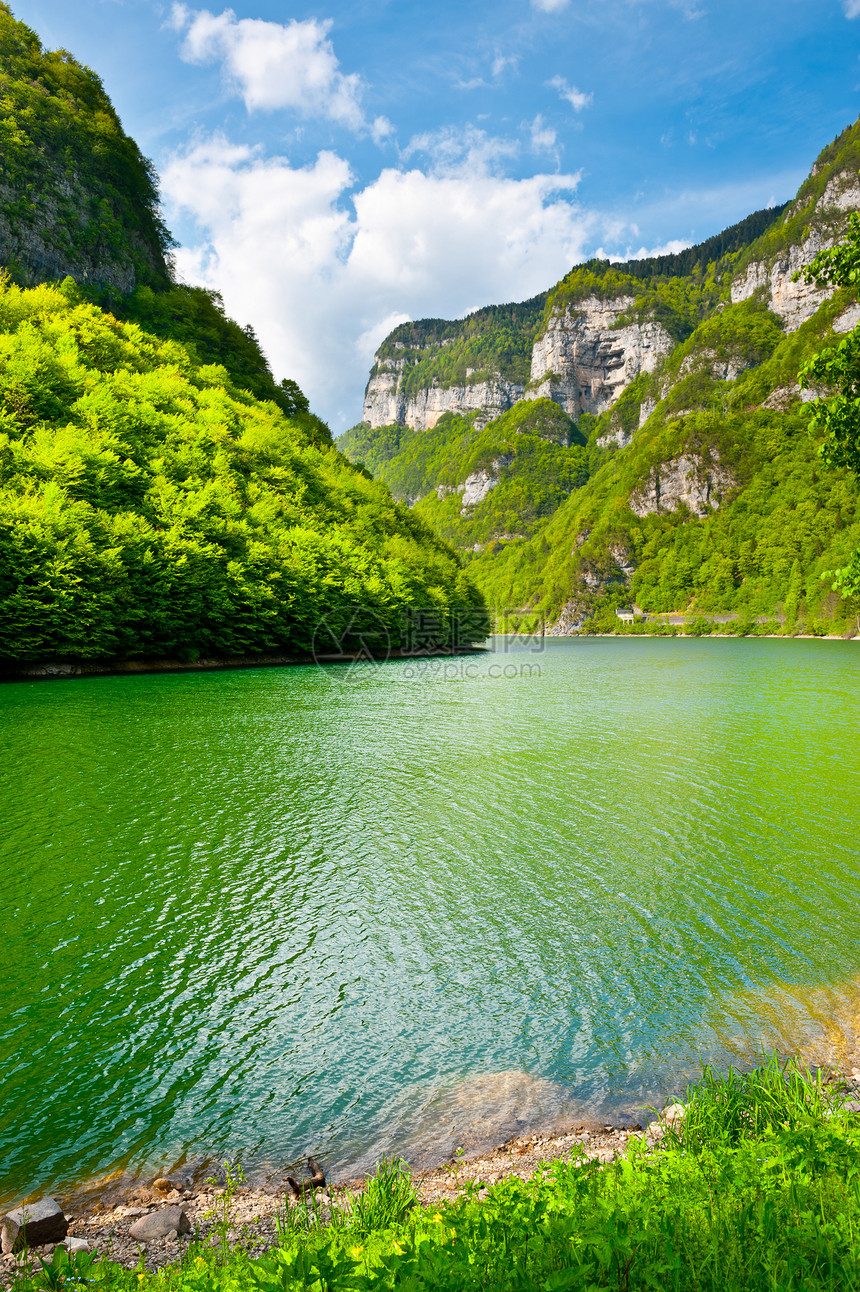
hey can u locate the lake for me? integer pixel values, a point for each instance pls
(411, 906)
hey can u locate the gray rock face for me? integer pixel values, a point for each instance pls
(158, 1224)
(584, 361)
(41, 247)
(685, 479)
(797, 302)
(386, 403)
(477, 486)
(32, 1225)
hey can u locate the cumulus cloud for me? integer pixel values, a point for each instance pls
(852, 8)
(324, 270)
(273, 65)
(576, 98)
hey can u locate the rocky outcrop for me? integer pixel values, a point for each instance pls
(64, 230)
(718, 367)
(584, 359)
(477, 486)
(795, 302)
(686, 480)
(570, 620)
(387, 403)
(32, 1225)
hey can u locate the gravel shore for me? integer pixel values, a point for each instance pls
(254, 1211)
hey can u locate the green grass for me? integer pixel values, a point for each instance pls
(760, 1189)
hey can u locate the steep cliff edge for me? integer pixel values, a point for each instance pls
(77, 198)
(480, 364)
(702, 491)
(580, 344)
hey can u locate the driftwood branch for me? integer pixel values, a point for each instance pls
(317, 1180)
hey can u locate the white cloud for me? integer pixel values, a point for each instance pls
(324, 272)
(273, 65)
(381, 129)
(576, 98)
(670, 248)
(543, 137)
(550, 6)
(461, 148)
(852, 8)
(503, 61)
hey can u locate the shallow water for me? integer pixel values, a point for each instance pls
(405, 907)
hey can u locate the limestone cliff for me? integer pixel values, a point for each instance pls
(685, 479)
(770, 276)
(387, 402)
(478, 364)
(587, 355)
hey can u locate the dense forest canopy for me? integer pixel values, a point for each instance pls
(150, 507)
(161, 496)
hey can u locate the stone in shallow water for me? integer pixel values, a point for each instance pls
(158, 1224)
(33, 1225)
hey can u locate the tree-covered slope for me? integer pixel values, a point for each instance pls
(718, 505)
(160, 495)
(699, 490)
(495, 341)
(150, 507)
(475, 483)
(76, 196)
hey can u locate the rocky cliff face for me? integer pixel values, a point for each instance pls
(795, 303)
(60, 238)
(76, 196)
(387, 403)
(685, 481)
(584, 360)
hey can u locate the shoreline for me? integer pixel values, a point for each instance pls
(254, 1210)
(61, 670)
(226, 1215)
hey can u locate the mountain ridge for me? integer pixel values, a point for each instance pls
(674, 382)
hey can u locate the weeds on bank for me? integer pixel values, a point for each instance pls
(758, 1191)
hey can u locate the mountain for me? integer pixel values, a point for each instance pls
(76, 196)
(161, 497)
(685, 481)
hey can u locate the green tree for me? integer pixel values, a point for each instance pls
(836, 419)
(792, 596)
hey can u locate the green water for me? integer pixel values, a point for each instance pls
(269, 912)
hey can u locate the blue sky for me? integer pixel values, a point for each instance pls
(336, 168)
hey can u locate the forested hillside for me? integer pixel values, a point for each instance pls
(160, 495)
(150, 507)
(686, 482)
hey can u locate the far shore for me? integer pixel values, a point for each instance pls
(59, 670)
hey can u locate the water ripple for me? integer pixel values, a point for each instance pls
(267, 912)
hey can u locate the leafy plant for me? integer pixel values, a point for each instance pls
(387, 1199)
